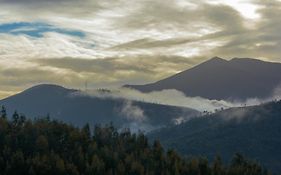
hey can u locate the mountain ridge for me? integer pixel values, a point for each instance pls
(253, 131)
(69, 106)
(219, 79)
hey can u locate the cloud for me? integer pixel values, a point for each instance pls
(43, 7)
(263, 39)
(137, 121)
(128, 42)
(120, 70)
(166, 97)
(17, 76)
(147, 25)
(51, 44)
(173, 97)
(237, 114)
(73, 72)
(132, 112)
(276, 95)
(147, 43)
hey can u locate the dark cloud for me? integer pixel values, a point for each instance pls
(114, 71)
(134, 65)
(225, 22)
(263, 40)
(22, 77)
(147, 43)
(169, 15)
(41, 8)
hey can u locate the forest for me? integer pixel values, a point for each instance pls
(45, 146)
(254, 131)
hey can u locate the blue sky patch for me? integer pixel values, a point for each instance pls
(36, 29)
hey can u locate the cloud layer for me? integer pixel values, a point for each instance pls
(115, 42)
(166, 97)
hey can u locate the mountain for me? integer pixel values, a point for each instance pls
(254, 131)
(237, 79)
(70, 105)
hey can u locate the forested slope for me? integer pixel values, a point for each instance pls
(49, 147)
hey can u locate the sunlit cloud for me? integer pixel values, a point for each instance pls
(111, 43)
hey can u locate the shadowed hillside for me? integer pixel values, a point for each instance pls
(254, 131)
(237, 79)
(67, 104)
(44, 147)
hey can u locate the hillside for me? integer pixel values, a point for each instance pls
(254, 131)
(67, 104)
(237, 79)
(44, 147)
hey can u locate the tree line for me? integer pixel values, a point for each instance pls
(44, 146)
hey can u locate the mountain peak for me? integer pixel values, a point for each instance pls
(48, 88)
(216, 60)
(220, 79)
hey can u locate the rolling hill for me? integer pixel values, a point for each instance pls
(237, 79)
(71, 106)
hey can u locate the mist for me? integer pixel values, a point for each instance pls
(174, 97)
(138, 121)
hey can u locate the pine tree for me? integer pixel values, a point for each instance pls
(15, 118)
(217, 166)
(50, 147)
(3, 112)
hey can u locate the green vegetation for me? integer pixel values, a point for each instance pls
(252, 131)
(44, 147)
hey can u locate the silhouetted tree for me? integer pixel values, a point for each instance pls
(45, 146)
(3, 112)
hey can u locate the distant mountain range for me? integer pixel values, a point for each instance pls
(70, 105)
(237, 79)
(253, 131)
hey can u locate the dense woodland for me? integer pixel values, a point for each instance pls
(254, 131)
(45, 146)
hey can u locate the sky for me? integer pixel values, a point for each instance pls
(109, 43)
